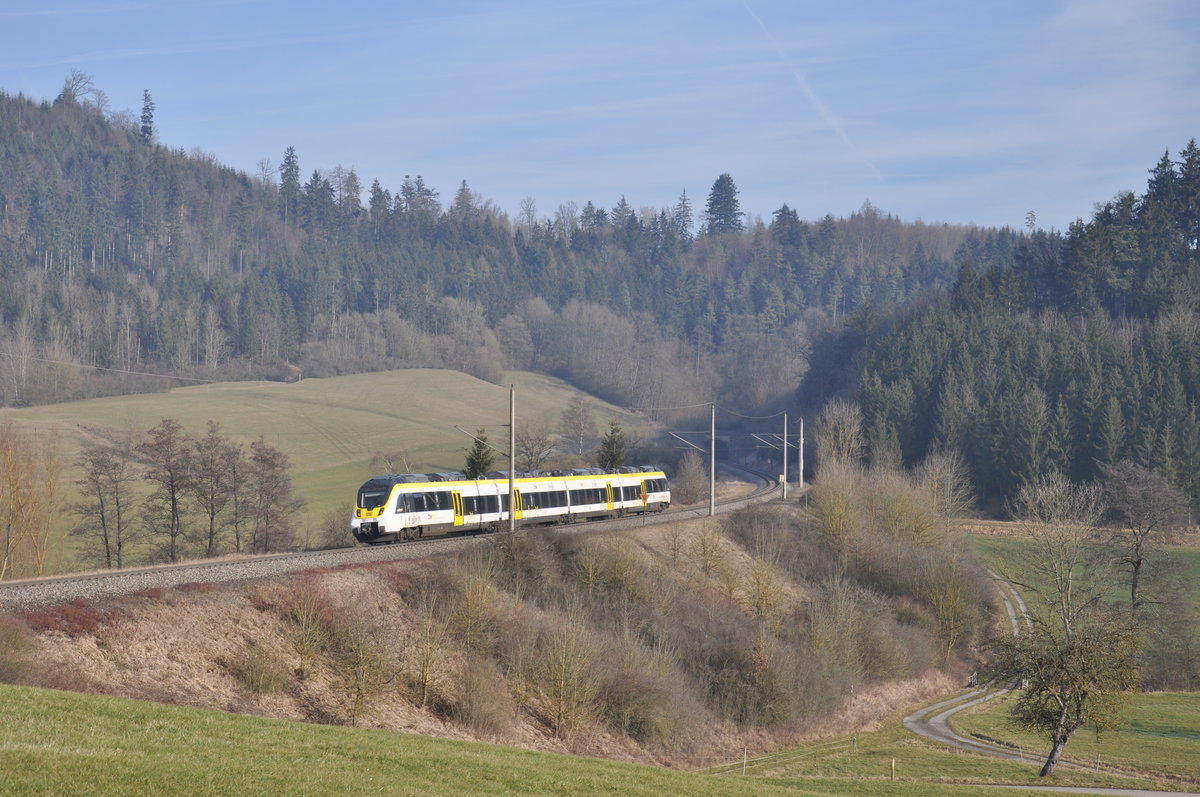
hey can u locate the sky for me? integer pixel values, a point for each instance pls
(931, 110)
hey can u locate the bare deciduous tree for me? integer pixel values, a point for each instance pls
(105, 485)
(167, 455)
(1150, 512)
(534, 447)
(577, 424)
(212, 486)
(839, 433)
(272, 503)
(29, 502)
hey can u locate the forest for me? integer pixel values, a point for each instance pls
(1082, 353)
(131, 266)
(125, 255)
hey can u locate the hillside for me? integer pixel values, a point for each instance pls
(677, 644)
(130, 257)
(1083, 353)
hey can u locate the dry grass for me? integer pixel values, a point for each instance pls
(234, 648)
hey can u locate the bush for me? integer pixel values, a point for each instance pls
(260, 671)
(335, 531)
(690, 484)
(484, 702)
(16, 652)
(310, 612)
(75, 619)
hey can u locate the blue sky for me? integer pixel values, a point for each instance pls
(953, 111)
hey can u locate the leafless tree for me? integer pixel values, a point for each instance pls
(534, 447)
(167, 454)
(29, 501)
(1078, 660)
(578, 425)
(272, 503)
(839, 433)
(104, 511)
(1151, 513)
(212, 486)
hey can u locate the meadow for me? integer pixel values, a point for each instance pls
(64, 743)
(337, 432)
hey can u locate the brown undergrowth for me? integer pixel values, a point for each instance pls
(680, 645)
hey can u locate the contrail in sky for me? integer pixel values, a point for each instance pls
(827, 116)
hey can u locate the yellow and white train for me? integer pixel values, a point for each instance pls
(407, 506)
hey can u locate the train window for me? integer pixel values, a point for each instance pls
(373, 497)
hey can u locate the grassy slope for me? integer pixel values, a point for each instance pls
(64, 743)
(330, 428)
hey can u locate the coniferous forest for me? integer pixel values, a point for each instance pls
(1027, 351)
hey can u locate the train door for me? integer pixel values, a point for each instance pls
(456, 497)
(645, 493)
(520, 509)
(609, 490)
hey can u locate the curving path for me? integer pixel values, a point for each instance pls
(933, 722)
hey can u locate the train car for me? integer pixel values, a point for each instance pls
(408, 506)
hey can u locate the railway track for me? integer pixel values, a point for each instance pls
(31, 593)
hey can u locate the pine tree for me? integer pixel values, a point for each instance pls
(147, 129)
(682, 218)
(613, 448)
(480, 457)
(722, 213)
(289, 185)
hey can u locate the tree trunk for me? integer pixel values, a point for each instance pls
(1061, 736)
(1055, 753)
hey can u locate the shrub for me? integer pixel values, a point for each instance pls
(484, 702)
(16, 652)
(567, 659)
(335, 530)
(260, 671)
(75, 619)
(690, 484)
(311, 614)
(362, 665)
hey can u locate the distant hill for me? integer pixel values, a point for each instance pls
(122, 254)
(1084, 352)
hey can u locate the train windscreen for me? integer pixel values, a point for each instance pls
(373, 496)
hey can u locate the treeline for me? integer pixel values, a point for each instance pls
(1083, 353)
(173, 495)
(167, 496)
(123, 254)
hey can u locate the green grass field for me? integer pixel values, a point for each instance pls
(64, 743)
(1162, 734)
(331, 429)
